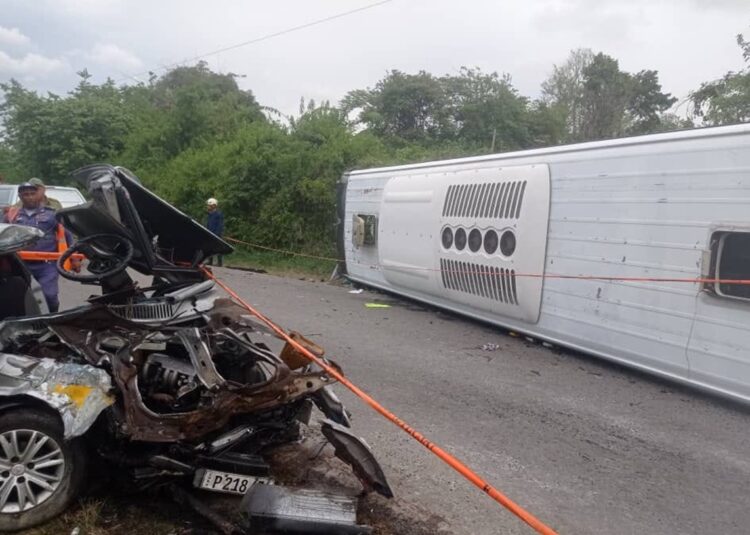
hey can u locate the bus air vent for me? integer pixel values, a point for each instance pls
(489, 282)
(490, 200)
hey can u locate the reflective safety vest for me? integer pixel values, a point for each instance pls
(62, 245)
(43, 256)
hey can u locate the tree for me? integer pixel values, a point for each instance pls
(486, 110)
(546, 124)
(50, 136)
(563, 90)
(199, 105)
(410, 107)
(672, 121)
(726, 101)
(421, 115)
(606, 94)
(647, 104)
(601, 101)
(8, 168)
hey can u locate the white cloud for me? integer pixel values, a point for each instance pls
(114, 57)
(597, 24)
(87, 8)
(29, 66)
(12, 36)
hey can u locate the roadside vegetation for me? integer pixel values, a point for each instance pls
(192, 134)
(287, 265)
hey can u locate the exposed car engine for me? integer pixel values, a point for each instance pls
(173, 384)
(168, 381)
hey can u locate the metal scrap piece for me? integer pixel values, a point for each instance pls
(200, 356)
(354, 451)
(330, 405)
(283, 509)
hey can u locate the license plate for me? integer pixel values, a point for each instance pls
(225, 481)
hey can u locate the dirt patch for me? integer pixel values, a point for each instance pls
(312, 464)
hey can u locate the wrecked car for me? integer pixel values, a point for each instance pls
(171, 383)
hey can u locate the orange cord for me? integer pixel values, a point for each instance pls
(692, 280)
(449, 459)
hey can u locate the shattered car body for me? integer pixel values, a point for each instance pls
(79, 393)
(168, 382)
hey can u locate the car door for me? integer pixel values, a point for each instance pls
(20, 294)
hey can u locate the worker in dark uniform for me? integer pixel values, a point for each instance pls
(215, 223)
(34, 212)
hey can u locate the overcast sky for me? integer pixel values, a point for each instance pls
(44, 42)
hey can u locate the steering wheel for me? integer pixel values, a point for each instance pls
(107, 254)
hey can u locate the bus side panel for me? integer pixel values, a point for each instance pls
(627, 209)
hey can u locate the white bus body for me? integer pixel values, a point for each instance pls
(473, 235)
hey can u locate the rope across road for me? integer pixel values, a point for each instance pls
(604, 278)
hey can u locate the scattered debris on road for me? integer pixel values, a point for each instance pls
(377, 305)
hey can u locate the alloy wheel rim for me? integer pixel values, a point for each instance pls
(32, 465)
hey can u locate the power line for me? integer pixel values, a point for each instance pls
(262, 38)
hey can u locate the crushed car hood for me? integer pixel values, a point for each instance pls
(78, 392)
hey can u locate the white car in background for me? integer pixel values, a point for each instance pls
(64, 195)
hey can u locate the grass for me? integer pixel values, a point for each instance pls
(279, 263)
(123, 515)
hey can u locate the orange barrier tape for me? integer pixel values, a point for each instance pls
(693, 280)
(43, 256)
(449, 459)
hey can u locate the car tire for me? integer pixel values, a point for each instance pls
(53, 485)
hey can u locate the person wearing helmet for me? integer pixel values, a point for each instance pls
(215, 223)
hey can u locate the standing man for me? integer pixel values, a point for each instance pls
(34, 212)
(49, 201)
(215, 224)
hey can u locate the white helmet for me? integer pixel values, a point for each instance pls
(212, 202)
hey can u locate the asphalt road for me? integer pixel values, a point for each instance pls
(587, 446)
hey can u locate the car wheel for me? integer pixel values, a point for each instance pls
(40, 473)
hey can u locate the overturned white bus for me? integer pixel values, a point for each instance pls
(490, 236)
